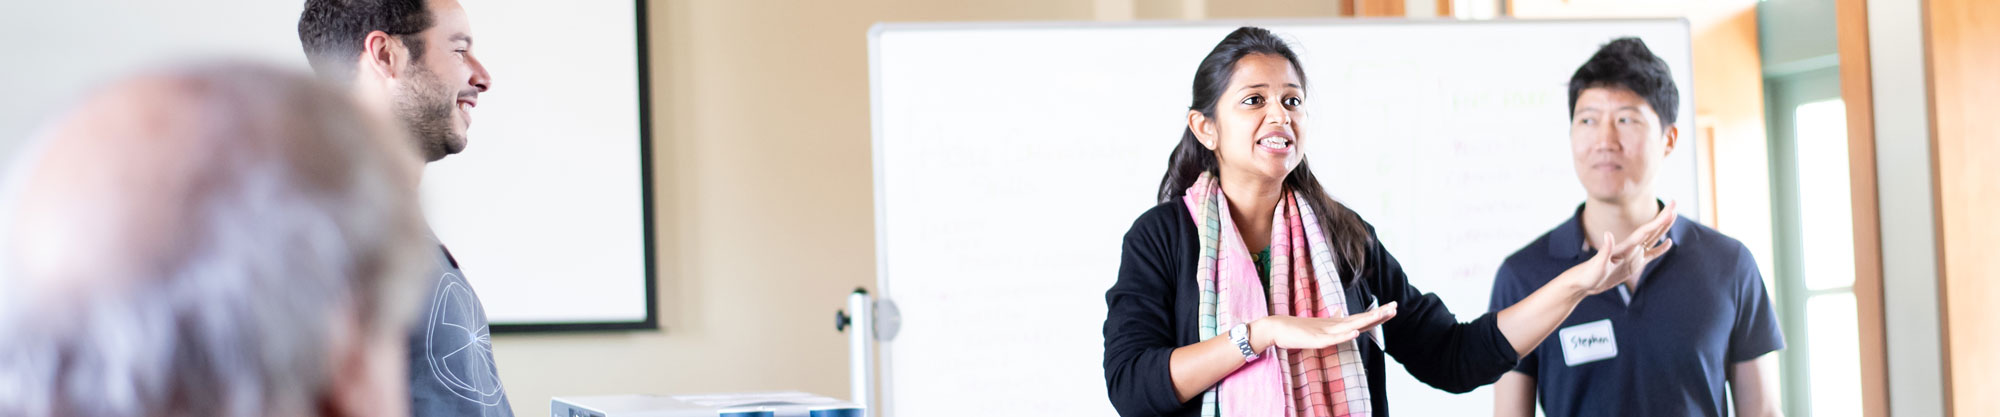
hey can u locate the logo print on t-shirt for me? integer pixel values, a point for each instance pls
(459, 345)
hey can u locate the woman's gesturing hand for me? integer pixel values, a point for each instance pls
(1622, 262)
(1313, 333)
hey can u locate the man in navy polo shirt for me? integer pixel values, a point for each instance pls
(1666, 343)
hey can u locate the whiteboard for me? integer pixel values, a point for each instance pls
(546, 207)
(1010, 159)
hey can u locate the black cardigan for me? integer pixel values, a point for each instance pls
(1153, 307)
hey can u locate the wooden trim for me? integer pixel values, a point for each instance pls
(1928, 35)
(1960, 37)
(1857, 92)
(1379, 8)
(1705, 135)
(1938, 201)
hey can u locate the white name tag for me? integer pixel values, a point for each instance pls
(1588, 342)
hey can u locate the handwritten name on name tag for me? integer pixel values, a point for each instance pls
(1588, 342)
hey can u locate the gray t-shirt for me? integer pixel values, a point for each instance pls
(451, 351)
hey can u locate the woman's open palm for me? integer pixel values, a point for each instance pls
(1313, 333)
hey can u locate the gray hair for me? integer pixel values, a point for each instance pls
(192, 242)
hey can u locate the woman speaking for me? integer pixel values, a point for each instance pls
(1246, 290)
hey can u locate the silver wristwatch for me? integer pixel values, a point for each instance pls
(1240, 335)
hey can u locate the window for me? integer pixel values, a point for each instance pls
(1812, 216)
(1826, 245)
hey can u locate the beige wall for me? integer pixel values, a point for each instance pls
(764, 204)
(1116, 10)
(1245, 9)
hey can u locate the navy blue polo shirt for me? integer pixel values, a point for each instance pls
(1698, 310)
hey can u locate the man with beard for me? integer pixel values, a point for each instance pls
(414, 57)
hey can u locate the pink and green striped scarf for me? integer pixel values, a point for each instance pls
(1326, 382)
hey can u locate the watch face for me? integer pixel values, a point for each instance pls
(1240, 335)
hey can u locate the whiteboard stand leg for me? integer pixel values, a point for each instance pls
(860, 348)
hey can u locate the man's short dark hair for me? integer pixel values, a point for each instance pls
(332, 30)
(1626, 63)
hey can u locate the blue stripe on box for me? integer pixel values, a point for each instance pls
(837, 412)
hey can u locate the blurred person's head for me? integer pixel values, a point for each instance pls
(413, 55)
(221, 240)
(1623, 106)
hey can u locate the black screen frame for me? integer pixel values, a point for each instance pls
(652, 319)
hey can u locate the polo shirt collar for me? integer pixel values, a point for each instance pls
(1567, 241)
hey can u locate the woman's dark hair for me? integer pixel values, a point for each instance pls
(1627, 63)
(1344, 229)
